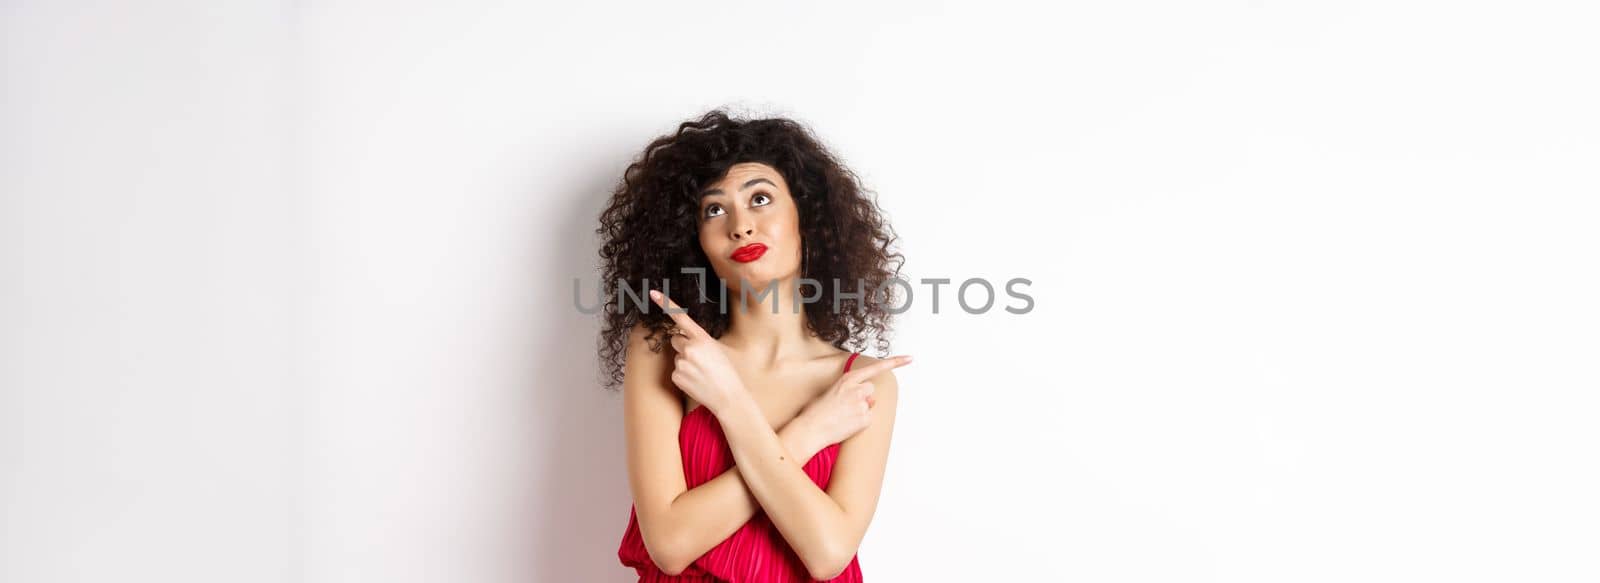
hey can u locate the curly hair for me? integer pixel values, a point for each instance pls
(650, 234)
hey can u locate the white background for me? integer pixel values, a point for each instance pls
(287, 285)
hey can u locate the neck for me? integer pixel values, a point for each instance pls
(754, 329)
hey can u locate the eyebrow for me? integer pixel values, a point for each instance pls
(750, 183)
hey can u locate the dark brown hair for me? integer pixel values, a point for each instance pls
(650, 230)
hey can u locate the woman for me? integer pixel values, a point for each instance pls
(756, 439)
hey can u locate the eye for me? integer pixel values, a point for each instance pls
(713, 210)
(760, 199)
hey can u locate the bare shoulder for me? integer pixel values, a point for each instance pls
(645, 364)
(642, 346)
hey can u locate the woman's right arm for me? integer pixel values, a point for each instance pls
(679, 524)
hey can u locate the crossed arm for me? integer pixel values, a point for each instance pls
(680, 525)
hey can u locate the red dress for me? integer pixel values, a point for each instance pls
(756, 553)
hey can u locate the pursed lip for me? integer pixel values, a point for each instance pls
(749, 252)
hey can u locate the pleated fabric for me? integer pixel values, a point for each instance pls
(756, 553)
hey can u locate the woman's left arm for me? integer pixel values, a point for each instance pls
(825, 528)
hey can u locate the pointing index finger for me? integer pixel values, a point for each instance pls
(876, 368)
(679, 315)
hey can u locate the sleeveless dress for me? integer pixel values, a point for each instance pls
(756, 553)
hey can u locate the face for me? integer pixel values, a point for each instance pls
(750, 208)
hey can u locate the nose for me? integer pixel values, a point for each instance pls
(742, 228)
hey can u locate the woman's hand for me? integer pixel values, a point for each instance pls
(846, 407)
(701, 367)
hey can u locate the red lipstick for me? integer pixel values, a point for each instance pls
(749, 252)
